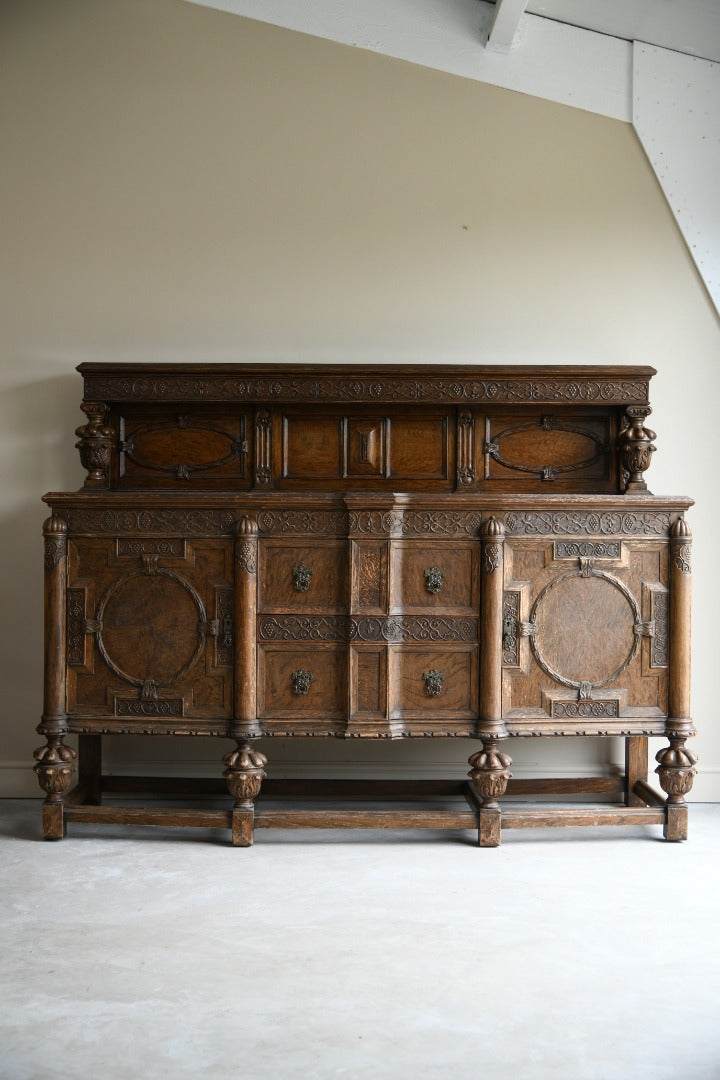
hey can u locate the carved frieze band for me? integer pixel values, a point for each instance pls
(414, 523)
(608, 523)
(190, 522)
(178, 387)
(341, 628)
(586, 549)
(302, 522)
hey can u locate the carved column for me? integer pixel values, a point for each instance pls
(54, 761)
(244, 775)
(636, 447)
(490, 767)
(244, 644)
(676, 764)
(95, 445)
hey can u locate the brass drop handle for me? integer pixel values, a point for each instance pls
(434, 579)
(301, 576)
(433, 682)
(301, 680)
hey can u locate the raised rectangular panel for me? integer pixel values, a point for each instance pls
(302, 682)
(434, 683)
(432, 577)
(368, 682)
(311, 447)
(307, 577)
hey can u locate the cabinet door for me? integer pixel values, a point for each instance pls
(150, 631)
(585, 635)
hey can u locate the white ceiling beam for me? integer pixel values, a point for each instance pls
(504, 25)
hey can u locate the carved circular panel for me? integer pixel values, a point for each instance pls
(152, 627)
(584, 628)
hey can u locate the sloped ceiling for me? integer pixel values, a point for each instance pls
(652, 63)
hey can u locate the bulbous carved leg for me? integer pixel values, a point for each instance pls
(489, 777)
(54, 769)
(244, 775)
(676, 771)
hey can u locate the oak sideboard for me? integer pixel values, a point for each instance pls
(434, 552)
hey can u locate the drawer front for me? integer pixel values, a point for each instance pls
(311, 578)
(435, 577)
(440, 682)
(302, 682)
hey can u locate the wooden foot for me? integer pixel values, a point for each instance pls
(53, 821)
(242, 828)
(244, 775)
(54, 770)
(676, 822)
(489, 826)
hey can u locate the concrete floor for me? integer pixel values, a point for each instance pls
(146, 954)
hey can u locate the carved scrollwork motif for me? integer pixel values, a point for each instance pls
(591, 549)
(189, 522)
(659, 615)
(370, 628)
(584, 709)
(313, 522)
(413, 523)
(510, 640)
(147, 707)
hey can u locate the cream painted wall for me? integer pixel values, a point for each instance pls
(182, 184)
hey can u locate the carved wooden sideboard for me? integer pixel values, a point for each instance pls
(366, 553)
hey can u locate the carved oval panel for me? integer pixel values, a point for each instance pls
(548, 448)
(584, 628)
(168, 447)
(152, 628)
